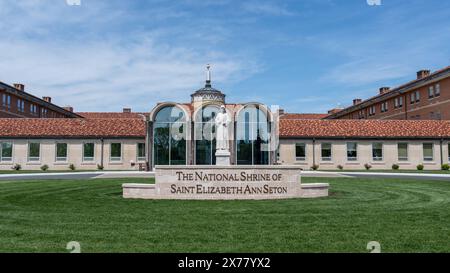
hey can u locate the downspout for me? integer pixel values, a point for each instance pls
(442, 152)
(147, 142)
(101, 153)
(314, 151)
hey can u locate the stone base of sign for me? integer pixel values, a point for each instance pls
(223, 158)
(225, 183)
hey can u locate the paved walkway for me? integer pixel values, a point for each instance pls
(136, 174)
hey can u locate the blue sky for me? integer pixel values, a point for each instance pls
(304, 55)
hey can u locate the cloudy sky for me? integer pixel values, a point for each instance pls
(304, 55)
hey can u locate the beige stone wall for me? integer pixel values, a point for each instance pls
(339, 154)
(74, 155)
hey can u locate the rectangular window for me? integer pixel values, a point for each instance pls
(116, 152)
(326, 151)
(430, 92)
(61, 151)
(402, 149)
(88, 151)
(417, 96)
(34, 151)
(428, 154)
(413, 98)
(6, 151)
(377, 151)
(141, 152)
(400, 102)
(396, 103)
(352, 151)
(6, 101)
(300, 151)
(448, 151)
(437, 90)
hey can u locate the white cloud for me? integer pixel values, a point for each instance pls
(95, 72)
(267, 8)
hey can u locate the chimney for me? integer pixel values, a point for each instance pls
(280, 112)
(357, 101)
(68, 108)
(19, 86)
(47, 99)
(127, 110)
(422, 74)
(384, 90)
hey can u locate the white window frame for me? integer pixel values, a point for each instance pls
(417, 96)
(300, 158)
(140, 158)
(88, 159)
(115, 159)
(437, 90)
(352, 159)
(6, 159)
(378, 159)
(431, 92)
(34, 158)
(432, 152)
(407, 152)
(326, 159)
(61, 159)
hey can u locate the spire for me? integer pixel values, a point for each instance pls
(208, 76)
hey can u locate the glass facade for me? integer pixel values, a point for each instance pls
(205, 136)
(169, 137)
(252, 136)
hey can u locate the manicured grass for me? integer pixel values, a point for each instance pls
(404, 216)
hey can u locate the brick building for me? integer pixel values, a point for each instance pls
(16, 103)
(425, 98)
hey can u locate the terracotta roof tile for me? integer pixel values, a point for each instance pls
(303, 116)
(71, 128)
(103, 115)
(364, 128)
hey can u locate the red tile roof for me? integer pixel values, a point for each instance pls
(364, 128)
(103, 115)
(71, 128)
(303, 116)
(305, 128)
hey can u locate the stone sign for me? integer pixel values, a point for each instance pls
(225, 182)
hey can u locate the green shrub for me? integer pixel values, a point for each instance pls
(17, 167)
(72, 167)
(395, 167)
(340, 167)
(100, 167)
(44, 167)
(367, 166)
(315, 167)
(420, 167)
(445, 167)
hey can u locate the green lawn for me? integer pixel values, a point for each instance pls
(404, 216)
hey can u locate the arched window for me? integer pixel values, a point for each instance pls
(169, 137)
(205, 135)
(252, 136)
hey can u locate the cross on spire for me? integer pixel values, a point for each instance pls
(208, 75)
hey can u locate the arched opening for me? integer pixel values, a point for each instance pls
(205, 135)
(252, 136)
(169, 136)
